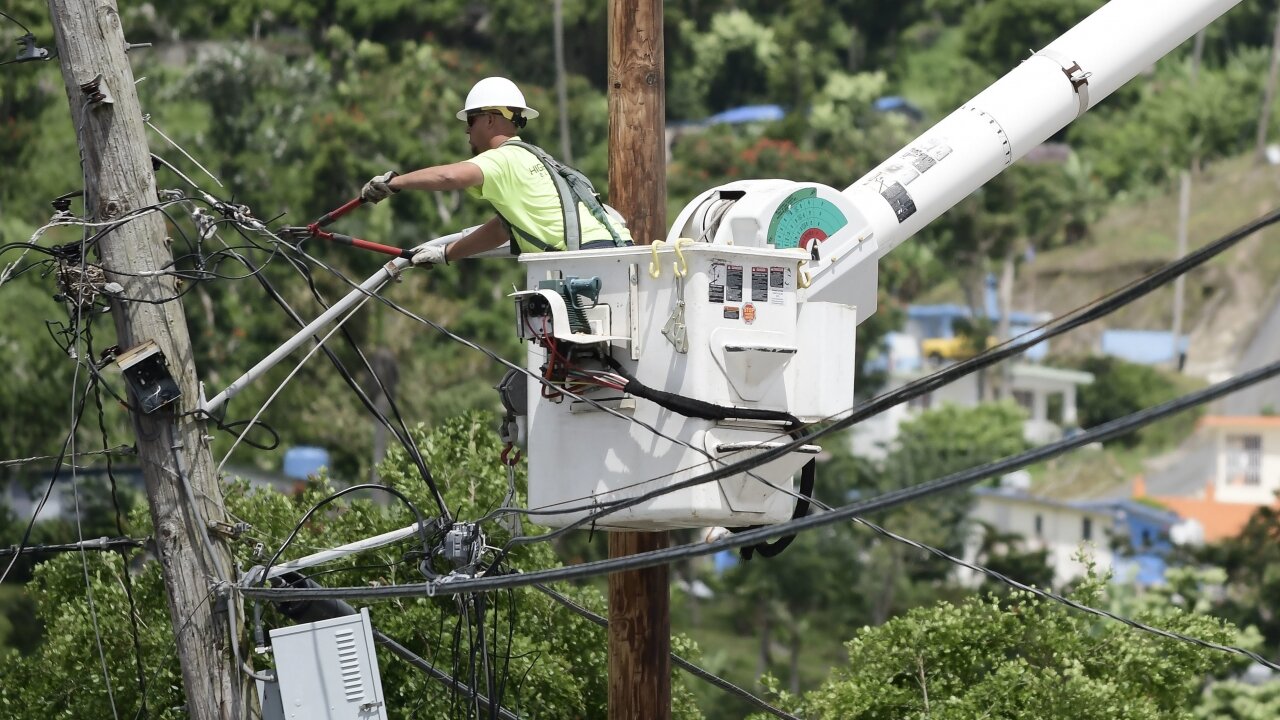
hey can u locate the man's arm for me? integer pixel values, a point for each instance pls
(486, 237)
(456, 176)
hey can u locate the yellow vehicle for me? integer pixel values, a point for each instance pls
(951, 348)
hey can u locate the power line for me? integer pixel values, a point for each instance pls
(15, 21)
(684, 664)
(118, 450)
(1047, 595)
(103, 544)
(1099, 433)
(430, 670)
(81, 333)
(48, 490)
(1058, 326)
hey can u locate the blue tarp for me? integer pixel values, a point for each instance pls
(747, 114)
(1145, 347)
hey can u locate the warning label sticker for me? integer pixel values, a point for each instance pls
(733, 283)
(715, 282)
(778, 277)
(731, 312)
(759, 284)
(900, 200)
(748, 313)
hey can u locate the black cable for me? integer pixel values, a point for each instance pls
(230, 427)
(15, 20)
(1058, 326)
(48, 490)
(402, 435)
(1103, 432)
(117, 544)
(683, 664)
(1167, 634)
(495, 707)
(422, 523)
(127, 576)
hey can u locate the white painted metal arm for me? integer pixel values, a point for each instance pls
(255, 576)
(309, 333)
(1020, 111)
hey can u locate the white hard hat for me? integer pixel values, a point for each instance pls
(496, 92)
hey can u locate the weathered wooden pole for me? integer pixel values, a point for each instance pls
(639, 601)
(171, 442)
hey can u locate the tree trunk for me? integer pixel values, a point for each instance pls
(796, 640)
(764, 627)
(1268, 96)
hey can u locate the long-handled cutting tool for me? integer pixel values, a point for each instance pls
(317, 230)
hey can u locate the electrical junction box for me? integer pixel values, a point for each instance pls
(147, 373)
(713, 322)
(327, 670)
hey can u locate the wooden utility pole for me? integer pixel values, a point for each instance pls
(639, 601)
(171, 442)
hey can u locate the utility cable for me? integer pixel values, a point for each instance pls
(416, 661)
(1063, 324)
(48, 491)
(252, 421)
(1103, 432)
(117, 450)
(402, 434)
(81, 325)
(126, 578)
(17, 22)
(685, 665)
(105, 544)
(1054, 597)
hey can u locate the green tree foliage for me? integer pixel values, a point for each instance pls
(783, 600)
(1121, 388)
(1252, 565)
(557, 660)
(1233, 700)
(1020, 656)
(998, 33)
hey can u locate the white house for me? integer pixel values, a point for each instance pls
(1063, 528)
(1247, 458)
(1047, 394)
(1060, 528)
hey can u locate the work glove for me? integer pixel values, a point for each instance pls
(431, 255)
(379, 188)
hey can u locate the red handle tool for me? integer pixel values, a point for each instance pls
(315, 229)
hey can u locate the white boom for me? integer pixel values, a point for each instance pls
(1021, 110)
(752, 304)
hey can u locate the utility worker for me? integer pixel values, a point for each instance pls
(542, 204)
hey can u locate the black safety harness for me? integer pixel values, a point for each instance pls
(573, 187)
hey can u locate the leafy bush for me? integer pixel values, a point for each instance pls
(1121, 388)
(1020, 657)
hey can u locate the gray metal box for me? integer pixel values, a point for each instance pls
(328, 670)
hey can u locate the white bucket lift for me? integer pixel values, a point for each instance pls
(722, 322)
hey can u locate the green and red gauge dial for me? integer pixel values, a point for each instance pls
(803, 219)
